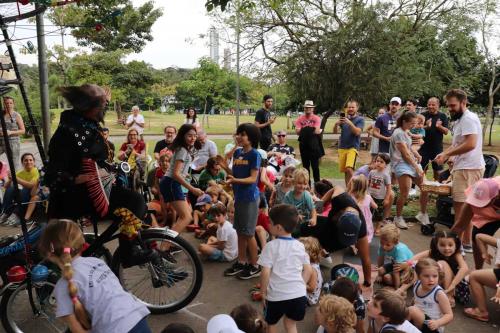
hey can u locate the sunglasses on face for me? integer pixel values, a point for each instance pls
(281, 135)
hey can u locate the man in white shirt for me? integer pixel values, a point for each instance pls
(208, 149)
(136, 121)
(467, 150)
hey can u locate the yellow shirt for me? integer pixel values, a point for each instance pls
(29, 176)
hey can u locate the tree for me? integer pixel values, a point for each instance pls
(108, 24)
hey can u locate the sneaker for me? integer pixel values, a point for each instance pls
(326, 261)
(467, 248)
(423, 218)
(249, 272)
(13, 220)
(462, 251)
(3, 218)
(400, 222)
(412, 193)
(236, 268)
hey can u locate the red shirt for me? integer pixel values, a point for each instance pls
(264, 221)
(139, 147)
(311, 121)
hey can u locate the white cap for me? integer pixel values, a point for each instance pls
(396, 99)
(263, 153)
(222, 324)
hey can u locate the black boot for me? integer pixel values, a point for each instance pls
(132, 254)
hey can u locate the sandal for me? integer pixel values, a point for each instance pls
(475, 314)
(256, 296)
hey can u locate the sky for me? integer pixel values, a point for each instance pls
(176, 36)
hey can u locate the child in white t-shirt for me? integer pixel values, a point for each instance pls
(224, 247)
(285, 270)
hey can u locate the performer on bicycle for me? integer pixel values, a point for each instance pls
(79, 178)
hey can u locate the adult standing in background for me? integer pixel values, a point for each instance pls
(374, 140)
(385, 125)
(468, 167)
(436, 126)
(263, 121)
(136, 121)
(351, 125)
(191, 118)
(308, 128)
(411, 105)
(15, 128)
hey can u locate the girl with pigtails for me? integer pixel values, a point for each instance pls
(89, 296)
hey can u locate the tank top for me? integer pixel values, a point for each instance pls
(428, 303)
(11, 122)
(313, 298)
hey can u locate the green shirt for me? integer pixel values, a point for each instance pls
(206, 176)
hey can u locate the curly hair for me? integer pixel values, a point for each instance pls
(313, 248)
(338, 312)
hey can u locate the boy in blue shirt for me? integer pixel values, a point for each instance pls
(391, 252)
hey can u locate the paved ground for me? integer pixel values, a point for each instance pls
(220, 294)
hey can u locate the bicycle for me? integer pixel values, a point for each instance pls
(21, 312)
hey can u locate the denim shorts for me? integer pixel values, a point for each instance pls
(403, 168)
(171, 190)
(217, 255)
(245, 217)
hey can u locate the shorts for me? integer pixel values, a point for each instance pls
(263, 201)
(496, 271)
(378, 213)
(462, 179)
(488, 229)
(171, 190)
(403, 168)
(428, 158)
(294, 309)
(347, 158)
(217, 255)
(425, 328)
(245, 217)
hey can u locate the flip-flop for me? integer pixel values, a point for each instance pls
(473, 313)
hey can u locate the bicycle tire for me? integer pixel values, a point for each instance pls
(31, 322)
(150, 236)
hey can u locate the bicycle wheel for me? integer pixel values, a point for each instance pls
(139, 281)
(18, 316)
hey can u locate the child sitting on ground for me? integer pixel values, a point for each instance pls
(358, 187)
(224, 247)
(262, 230)
(335, 315)
(280, 189)
(387, 312)
(390, 253)
(285, 268)
(248, 319)
(320, 188)
(379, 187)
(300, 197)
(432, 310)
(417, 133)
(314, 251)
(218, 195)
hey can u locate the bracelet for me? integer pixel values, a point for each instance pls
(411, 263)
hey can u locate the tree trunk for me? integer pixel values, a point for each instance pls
(491, 128)
(489, 115)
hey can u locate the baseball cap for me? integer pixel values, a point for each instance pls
(481, 193)
(203, 199)
(344, 270)
(348, 226)
(396, 99)
(222, 323)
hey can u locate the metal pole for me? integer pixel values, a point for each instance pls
(238, 63)
(44, 78)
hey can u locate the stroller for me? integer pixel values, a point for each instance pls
(444, 204)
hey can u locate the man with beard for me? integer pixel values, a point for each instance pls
(385, 125)
(263, 121)
(467, 150)
(162, 146)
(80, 180)
(436, 126)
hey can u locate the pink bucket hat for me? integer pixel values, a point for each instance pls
(481, 193)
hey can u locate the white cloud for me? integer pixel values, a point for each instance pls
(176, 35)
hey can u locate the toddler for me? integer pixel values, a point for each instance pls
(387, 311)
(432, 310)
(300, 197)
(285, 268)
(390, 253)
(320, 189)
(358, 187)
(379, 187)
(417, 133)
(224, 247)
(335, 315)
(314, 251)
(285, 185)
(348, 289)
(248, 320)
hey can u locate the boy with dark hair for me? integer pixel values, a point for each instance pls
(285, 268)
(263, 121)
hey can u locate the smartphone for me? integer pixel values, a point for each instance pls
(342, 114)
